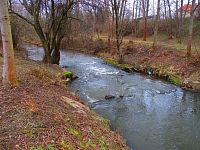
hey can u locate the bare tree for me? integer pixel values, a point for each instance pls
(133, 16)
(155, 40)
(136, 17)
(165, 10)
(179, 20)
(170, 20)
(9, 76)
(145, 7)
(49, 18)
(119, 10)
(189, 44)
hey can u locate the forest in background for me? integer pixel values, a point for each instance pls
(172, 22)
(156, 37)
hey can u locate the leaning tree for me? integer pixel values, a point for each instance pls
(49, 18)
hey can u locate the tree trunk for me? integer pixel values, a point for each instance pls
(177, 21)
(165, 11)
(119, 8)
(56, 52)
(180, 24)
(145, 29)
(118, 37)
(9, 76)
(47, 57)
(170, 17)
(120, 54)
(145, 17)
(133, 17)
(189, 44)
(55, 57)
(155, 41)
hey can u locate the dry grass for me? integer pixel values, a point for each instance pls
(34, 116)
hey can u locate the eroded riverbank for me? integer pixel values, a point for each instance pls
(149, 113)
(42, 114)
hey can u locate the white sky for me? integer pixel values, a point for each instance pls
(153, 4)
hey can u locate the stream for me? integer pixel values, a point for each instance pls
(150, 114)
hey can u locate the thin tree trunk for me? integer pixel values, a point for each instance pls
(145, 14)
(155, 41)
(119, 9)
(9, 76)
(177, 21)
(145, 29)
(180, 24)
(133, 16)
(189, 44)
(165, 11)
(113, 22)
(135, 19)
(170, 17)
(138, 21)
(185, 12)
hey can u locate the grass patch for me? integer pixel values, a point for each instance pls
(87, 144)
(75, 133)
(124, 67)
(66, 145)
(67, 74)
(174, 79)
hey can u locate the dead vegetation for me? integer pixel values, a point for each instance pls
(35, 115)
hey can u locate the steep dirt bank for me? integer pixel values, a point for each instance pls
(42, 114)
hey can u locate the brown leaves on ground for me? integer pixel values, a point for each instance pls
(34, 116)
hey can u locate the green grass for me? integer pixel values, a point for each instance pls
(174, 79)
(125, 67)
(67, 74)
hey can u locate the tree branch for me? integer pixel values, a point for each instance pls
(22, 17)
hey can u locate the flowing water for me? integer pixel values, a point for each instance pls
(150, 114)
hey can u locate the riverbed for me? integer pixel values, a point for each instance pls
(150, 114)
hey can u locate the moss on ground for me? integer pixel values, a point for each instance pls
(174, 79)
(113, 62)
(67, 74)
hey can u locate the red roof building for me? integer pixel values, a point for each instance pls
(186, 7)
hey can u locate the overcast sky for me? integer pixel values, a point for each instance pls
(153, 4)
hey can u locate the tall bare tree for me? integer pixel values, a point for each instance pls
(119, 11)
(136, 17)
(170, 20)
(155, 40)
(133, 17)
(145, 8)
(9, 76)
(49, 19)
(189, 44)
